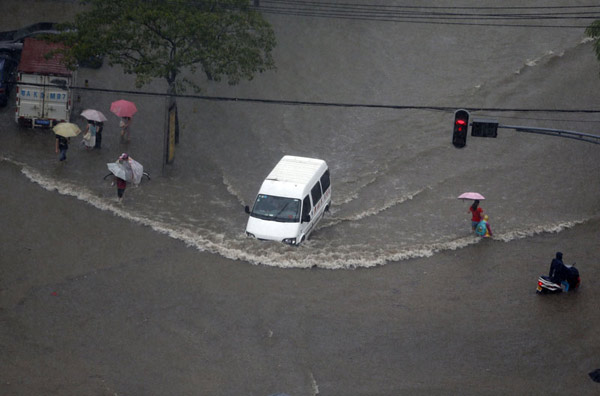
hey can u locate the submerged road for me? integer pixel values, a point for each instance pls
(92, 304)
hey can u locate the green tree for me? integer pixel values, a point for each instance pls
(225, 39)
(593, 31)
(162, 38)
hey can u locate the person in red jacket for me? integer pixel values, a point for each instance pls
(121, 185)
(476, 214)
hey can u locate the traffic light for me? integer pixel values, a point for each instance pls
(482, 127)
(461, 126)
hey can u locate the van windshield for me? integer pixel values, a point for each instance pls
(269, 207)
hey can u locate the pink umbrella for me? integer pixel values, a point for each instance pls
(123, 108)
(471, 195)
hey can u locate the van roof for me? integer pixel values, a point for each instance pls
(293, 176)
(33, 58)
(298, 170)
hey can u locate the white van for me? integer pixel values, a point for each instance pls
(291, 201)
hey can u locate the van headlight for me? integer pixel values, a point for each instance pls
(290, 241)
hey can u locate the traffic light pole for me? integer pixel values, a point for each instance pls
(483, 127)
(584, 137)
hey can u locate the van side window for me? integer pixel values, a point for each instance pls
(315, 192)
(306, 206)
(325, 183)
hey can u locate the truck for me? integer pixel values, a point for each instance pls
(44, 95)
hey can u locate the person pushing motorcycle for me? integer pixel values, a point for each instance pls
(558, 270)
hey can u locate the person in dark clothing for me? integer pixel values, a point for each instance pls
(558, 270)
(121, 185)
(62, 145)
(99, 127)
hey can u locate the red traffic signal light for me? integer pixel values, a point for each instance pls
(461, 126)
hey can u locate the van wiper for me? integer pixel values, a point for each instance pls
(282, 209)
(261, 216)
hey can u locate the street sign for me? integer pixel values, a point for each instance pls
(482, 127)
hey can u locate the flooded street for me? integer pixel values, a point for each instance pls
(393, 294)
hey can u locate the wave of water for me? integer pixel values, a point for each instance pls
(232, 190)
(372, 211)
(550, 55)
(540, 60)
(306, 256)
(544, 58)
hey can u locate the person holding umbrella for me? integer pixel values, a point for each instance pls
(121, 174)
(476, 214)
(475, 210)
(125, 170)
(124, 109)
(99, 128)
(125, 124)
(89, 137)
(62, 145)
(95, 121)
(64, 131)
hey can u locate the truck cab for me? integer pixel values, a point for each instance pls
(8, 67)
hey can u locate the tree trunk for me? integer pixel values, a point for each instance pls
(172, 125)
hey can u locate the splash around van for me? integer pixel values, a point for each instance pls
(291, 201)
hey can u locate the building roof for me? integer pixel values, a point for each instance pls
(33, 58)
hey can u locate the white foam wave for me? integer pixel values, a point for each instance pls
(586, 40)
(347, 198)
(372, 211)
(233, 191)
(214, 244)
(352, 257)
(306, 256)
(537, 230)
(548, 55)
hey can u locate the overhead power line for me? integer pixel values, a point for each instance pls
(337, 104)
(451, 15)
(287, 102)
(393, 6)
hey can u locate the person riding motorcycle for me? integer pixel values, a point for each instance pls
(558, 270)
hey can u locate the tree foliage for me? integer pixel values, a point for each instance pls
(593, 31)
(163, 38)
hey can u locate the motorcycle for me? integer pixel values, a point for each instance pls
(546, 286)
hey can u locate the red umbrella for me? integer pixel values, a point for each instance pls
(123, 108)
